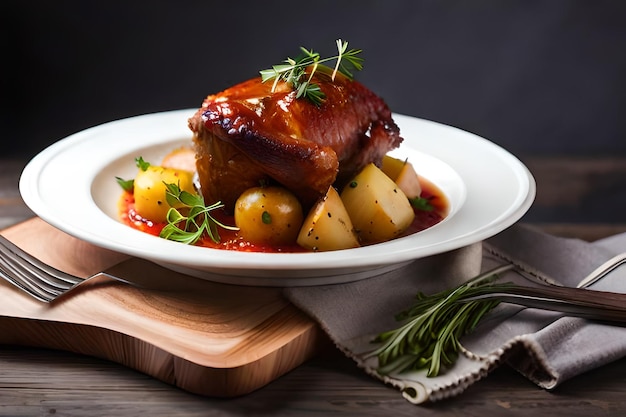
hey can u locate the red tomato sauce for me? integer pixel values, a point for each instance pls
(425, 219)
(230, 240)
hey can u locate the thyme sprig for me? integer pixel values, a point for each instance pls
(197, 221)
(293, 71)
(433, 326)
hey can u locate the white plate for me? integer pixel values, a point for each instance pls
(72, 186)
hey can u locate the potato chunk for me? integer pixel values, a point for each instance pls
(378, 208)
(268, 215)
(328, 226)
(403, 174)
(149, 190)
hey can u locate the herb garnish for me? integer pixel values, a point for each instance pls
(141, 164)
(421, 203)
(293, 71)
(127, 185)
(197, 221)
(429, 338)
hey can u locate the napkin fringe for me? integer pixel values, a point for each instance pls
(530, 341)
(529, 359)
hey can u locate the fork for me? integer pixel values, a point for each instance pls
(36, 278)
(46, 283)
(578, 301)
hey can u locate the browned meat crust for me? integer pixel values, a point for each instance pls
(248, 134)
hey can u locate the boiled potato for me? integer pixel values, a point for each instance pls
(378, 208)
(403, 174)
(270, 215)
(328, 226)
(149, 190)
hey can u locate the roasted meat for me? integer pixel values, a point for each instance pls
(249, 134)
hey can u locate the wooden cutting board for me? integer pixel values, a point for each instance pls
(206, 338)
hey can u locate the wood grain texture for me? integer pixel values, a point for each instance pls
(577, 190)
(36, 382)
(206, 338)
(45, 382)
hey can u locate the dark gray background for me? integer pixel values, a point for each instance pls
(537, 77)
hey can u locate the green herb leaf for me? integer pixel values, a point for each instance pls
(127, 185)
(421, 203)
(141, 164)
(190, 227)
(433, 326)
(293, 71)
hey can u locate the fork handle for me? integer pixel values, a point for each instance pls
(590, 304)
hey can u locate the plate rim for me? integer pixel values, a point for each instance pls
(333, 260)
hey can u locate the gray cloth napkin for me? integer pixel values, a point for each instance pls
(547, 347)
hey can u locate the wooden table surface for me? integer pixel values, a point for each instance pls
(40, 382)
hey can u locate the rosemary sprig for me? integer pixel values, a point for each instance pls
(293, 71)
(196, 223)
(433, 326)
